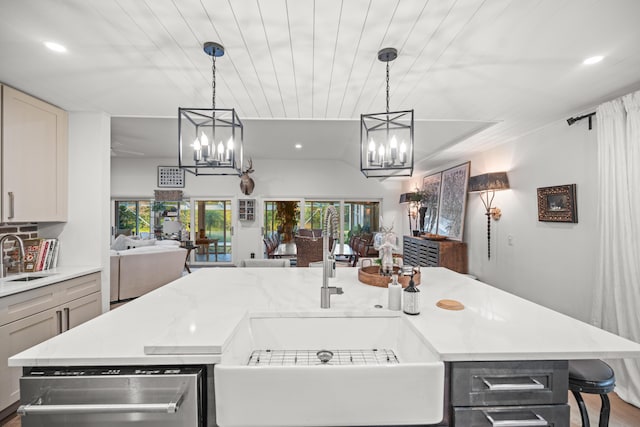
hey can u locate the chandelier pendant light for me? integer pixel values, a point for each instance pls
(386, 139)
(210, 140)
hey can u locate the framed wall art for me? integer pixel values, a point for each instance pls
(430, 203)
(453, 201)
(558, 204)
(170, 177)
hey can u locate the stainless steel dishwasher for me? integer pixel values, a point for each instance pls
(118, 396)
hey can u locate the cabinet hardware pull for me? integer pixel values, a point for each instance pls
(11, 205)
(494, 384)
(59, 318)
(66, 315)
(123, 408)
(501, 419)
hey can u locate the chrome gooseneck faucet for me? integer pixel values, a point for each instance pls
(330, 225)
(3, 268)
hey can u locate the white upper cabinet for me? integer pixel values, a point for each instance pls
(34, 159)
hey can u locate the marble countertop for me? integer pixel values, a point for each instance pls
(9, 287)
(195, 317)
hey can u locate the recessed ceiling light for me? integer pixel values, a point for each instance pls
(56, 47)
(298, 146)
(593, 60)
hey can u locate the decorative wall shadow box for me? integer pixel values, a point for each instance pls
(558, 204)
(170, 177)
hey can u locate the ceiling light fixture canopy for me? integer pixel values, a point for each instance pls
(386, 139)
(210, 140)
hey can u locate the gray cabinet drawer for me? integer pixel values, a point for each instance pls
(509, 383)
(523, 416)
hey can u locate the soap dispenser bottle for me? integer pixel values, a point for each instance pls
(395, 294)
(411, 298)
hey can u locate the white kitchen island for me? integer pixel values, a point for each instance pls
(193, 320)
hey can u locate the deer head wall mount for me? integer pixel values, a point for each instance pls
(246, 182)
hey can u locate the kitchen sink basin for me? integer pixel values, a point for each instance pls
(328, 371)
(28, 278)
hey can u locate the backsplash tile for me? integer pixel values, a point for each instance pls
(25, 230)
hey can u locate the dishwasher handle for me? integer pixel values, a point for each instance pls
(36, 408)
(118, 408)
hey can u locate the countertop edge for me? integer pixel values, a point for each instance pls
(9, 287)
(146, 360)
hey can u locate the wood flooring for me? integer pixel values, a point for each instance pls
(622, 413)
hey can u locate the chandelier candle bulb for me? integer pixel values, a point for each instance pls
(196, 150)
(371, 152)
(395, 294)
(204, 143)
(394, 148)
(229, 149)
(403, 153)
(220, 151)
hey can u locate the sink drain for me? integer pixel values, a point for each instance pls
(325, 355)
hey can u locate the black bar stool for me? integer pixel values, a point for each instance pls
(594, 377)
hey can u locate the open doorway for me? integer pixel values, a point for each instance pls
(213, 231)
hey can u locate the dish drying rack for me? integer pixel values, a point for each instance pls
(322, 357)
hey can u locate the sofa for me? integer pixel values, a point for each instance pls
(139, 270)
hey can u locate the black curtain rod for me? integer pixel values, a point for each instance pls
(572, 120)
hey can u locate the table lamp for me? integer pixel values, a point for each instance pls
(413, 199)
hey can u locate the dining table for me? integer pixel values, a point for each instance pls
(285, 250)
(289, 250)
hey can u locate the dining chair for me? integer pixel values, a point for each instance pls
(308, 249)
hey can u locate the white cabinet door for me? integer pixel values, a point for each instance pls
(34, 161)
(31, 317)
(18, 336)
(82, 309)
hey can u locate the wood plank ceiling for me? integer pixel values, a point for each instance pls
(515, 63)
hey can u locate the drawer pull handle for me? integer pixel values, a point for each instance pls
(67, 318)
(515, 419)
(11, 205)
(59, 319)
(494, 384)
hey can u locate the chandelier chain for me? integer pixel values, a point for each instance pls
(387, 87)
(213, 81)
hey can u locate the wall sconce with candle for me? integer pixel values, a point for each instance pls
(487, 184)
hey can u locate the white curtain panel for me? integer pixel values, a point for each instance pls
(617, 293)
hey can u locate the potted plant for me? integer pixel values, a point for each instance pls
(287, 215)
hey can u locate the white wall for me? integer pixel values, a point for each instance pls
(282, 179)
(552, 264)
(84, 238)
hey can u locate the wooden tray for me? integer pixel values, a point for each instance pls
(437, 237)
(371, 276)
